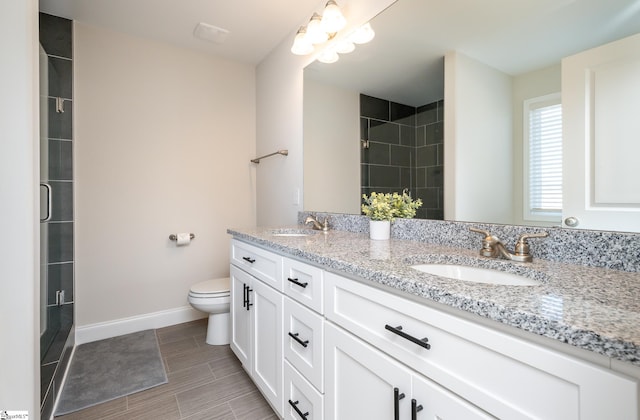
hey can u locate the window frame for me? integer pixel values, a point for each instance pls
(528, 106)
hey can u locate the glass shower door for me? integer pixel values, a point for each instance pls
(56, 206)
(49, 325)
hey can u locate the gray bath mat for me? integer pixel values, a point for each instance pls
(108, 369)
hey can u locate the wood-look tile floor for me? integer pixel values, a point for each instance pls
(205, 383)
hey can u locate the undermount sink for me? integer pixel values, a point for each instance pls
(475, 274)
(292, 232)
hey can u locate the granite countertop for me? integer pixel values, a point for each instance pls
(596, 309)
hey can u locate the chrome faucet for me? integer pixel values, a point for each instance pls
(493, 247)
(317, 225)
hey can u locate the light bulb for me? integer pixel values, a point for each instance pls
(315, 33)
(301, 46)
(363, 34)
(332, 18)
(328, 56)
(345, 46)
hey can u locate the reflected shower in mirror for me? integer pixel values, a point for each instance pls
(402, 148)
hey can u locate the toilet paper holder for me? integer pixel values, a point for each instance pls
(174, 237)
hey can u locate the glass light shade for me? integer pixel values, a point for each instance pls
(332, 18)
(363, 34)
(328, 56)
(315, 33)
(345, 46)
(301, 46)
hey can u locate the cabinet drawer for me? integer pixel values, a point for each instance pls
(301, 395)
(303, 282)
(304, 341)
(504, 375)
(262, 264)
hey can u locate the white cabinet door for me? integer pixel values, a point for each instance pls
(266, 331)
(431, 401)
(301, 400)
(361, 382)
(256, 333)
(262, 264)
(479, 364)
(303, 283)
(600, 101)
(364, 383)
(241, 317)
(304, 342)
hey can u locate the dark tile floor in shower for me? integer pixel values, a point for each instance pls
(205, 383)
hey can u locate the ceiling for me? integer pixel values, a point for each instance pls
(255, 26)
(404, 62)
(412, 36)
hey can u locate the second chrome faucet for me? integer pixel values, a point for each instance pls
(494, 247)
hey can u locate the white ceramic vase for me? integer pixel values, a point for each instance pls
(379, 229)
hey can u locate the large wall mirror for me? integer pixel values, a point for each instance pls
(503, 53)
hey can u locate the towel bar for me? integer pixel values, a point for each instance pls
(279, 152)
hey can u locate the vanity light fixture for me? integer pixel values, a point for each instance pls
(345, 46)
(363, 34)
(315, 32)
(301, 46)
(332, 18)
(328, 56)
(321, 29)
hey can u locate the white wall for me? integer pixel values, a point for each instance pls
(163, 138)
(279, 126)
(478, 142)
(331, 129)
(526, 86)
(19, 285)
(279, 79)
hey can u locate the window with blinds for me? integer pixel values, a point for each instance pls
(543, 158)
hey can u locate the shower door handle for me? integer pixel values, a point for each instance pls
(49, 202)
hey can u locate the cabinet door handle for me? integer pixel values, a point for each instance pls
(397, 396)
(244, 295)
(304, 343)
(249, 304)
(296, 282)
(249, 260)
(294, 404)
(414, 409)
(398, 330)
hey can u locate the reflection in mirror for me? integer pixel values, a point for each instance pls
(495, 61)
(402, 149)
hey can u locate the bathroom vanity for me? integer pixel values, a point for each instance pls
(336, 326)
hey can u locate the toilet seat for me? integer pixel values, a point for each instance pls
(211, 288)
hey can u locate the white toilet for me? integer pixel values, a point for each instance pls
(213, 297)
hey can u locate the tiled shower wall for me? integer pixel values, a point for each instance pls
(57, 250)
(403, 148)
(429, 160)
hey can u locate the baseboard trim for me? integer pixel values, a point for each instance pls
(102, 330)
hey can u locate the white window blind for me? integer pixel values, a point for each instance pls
(543, 158)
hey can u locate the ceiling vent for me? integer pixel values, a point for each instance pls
(210, 33)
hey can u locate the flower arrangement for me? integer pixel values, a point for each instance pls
(379, 206)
